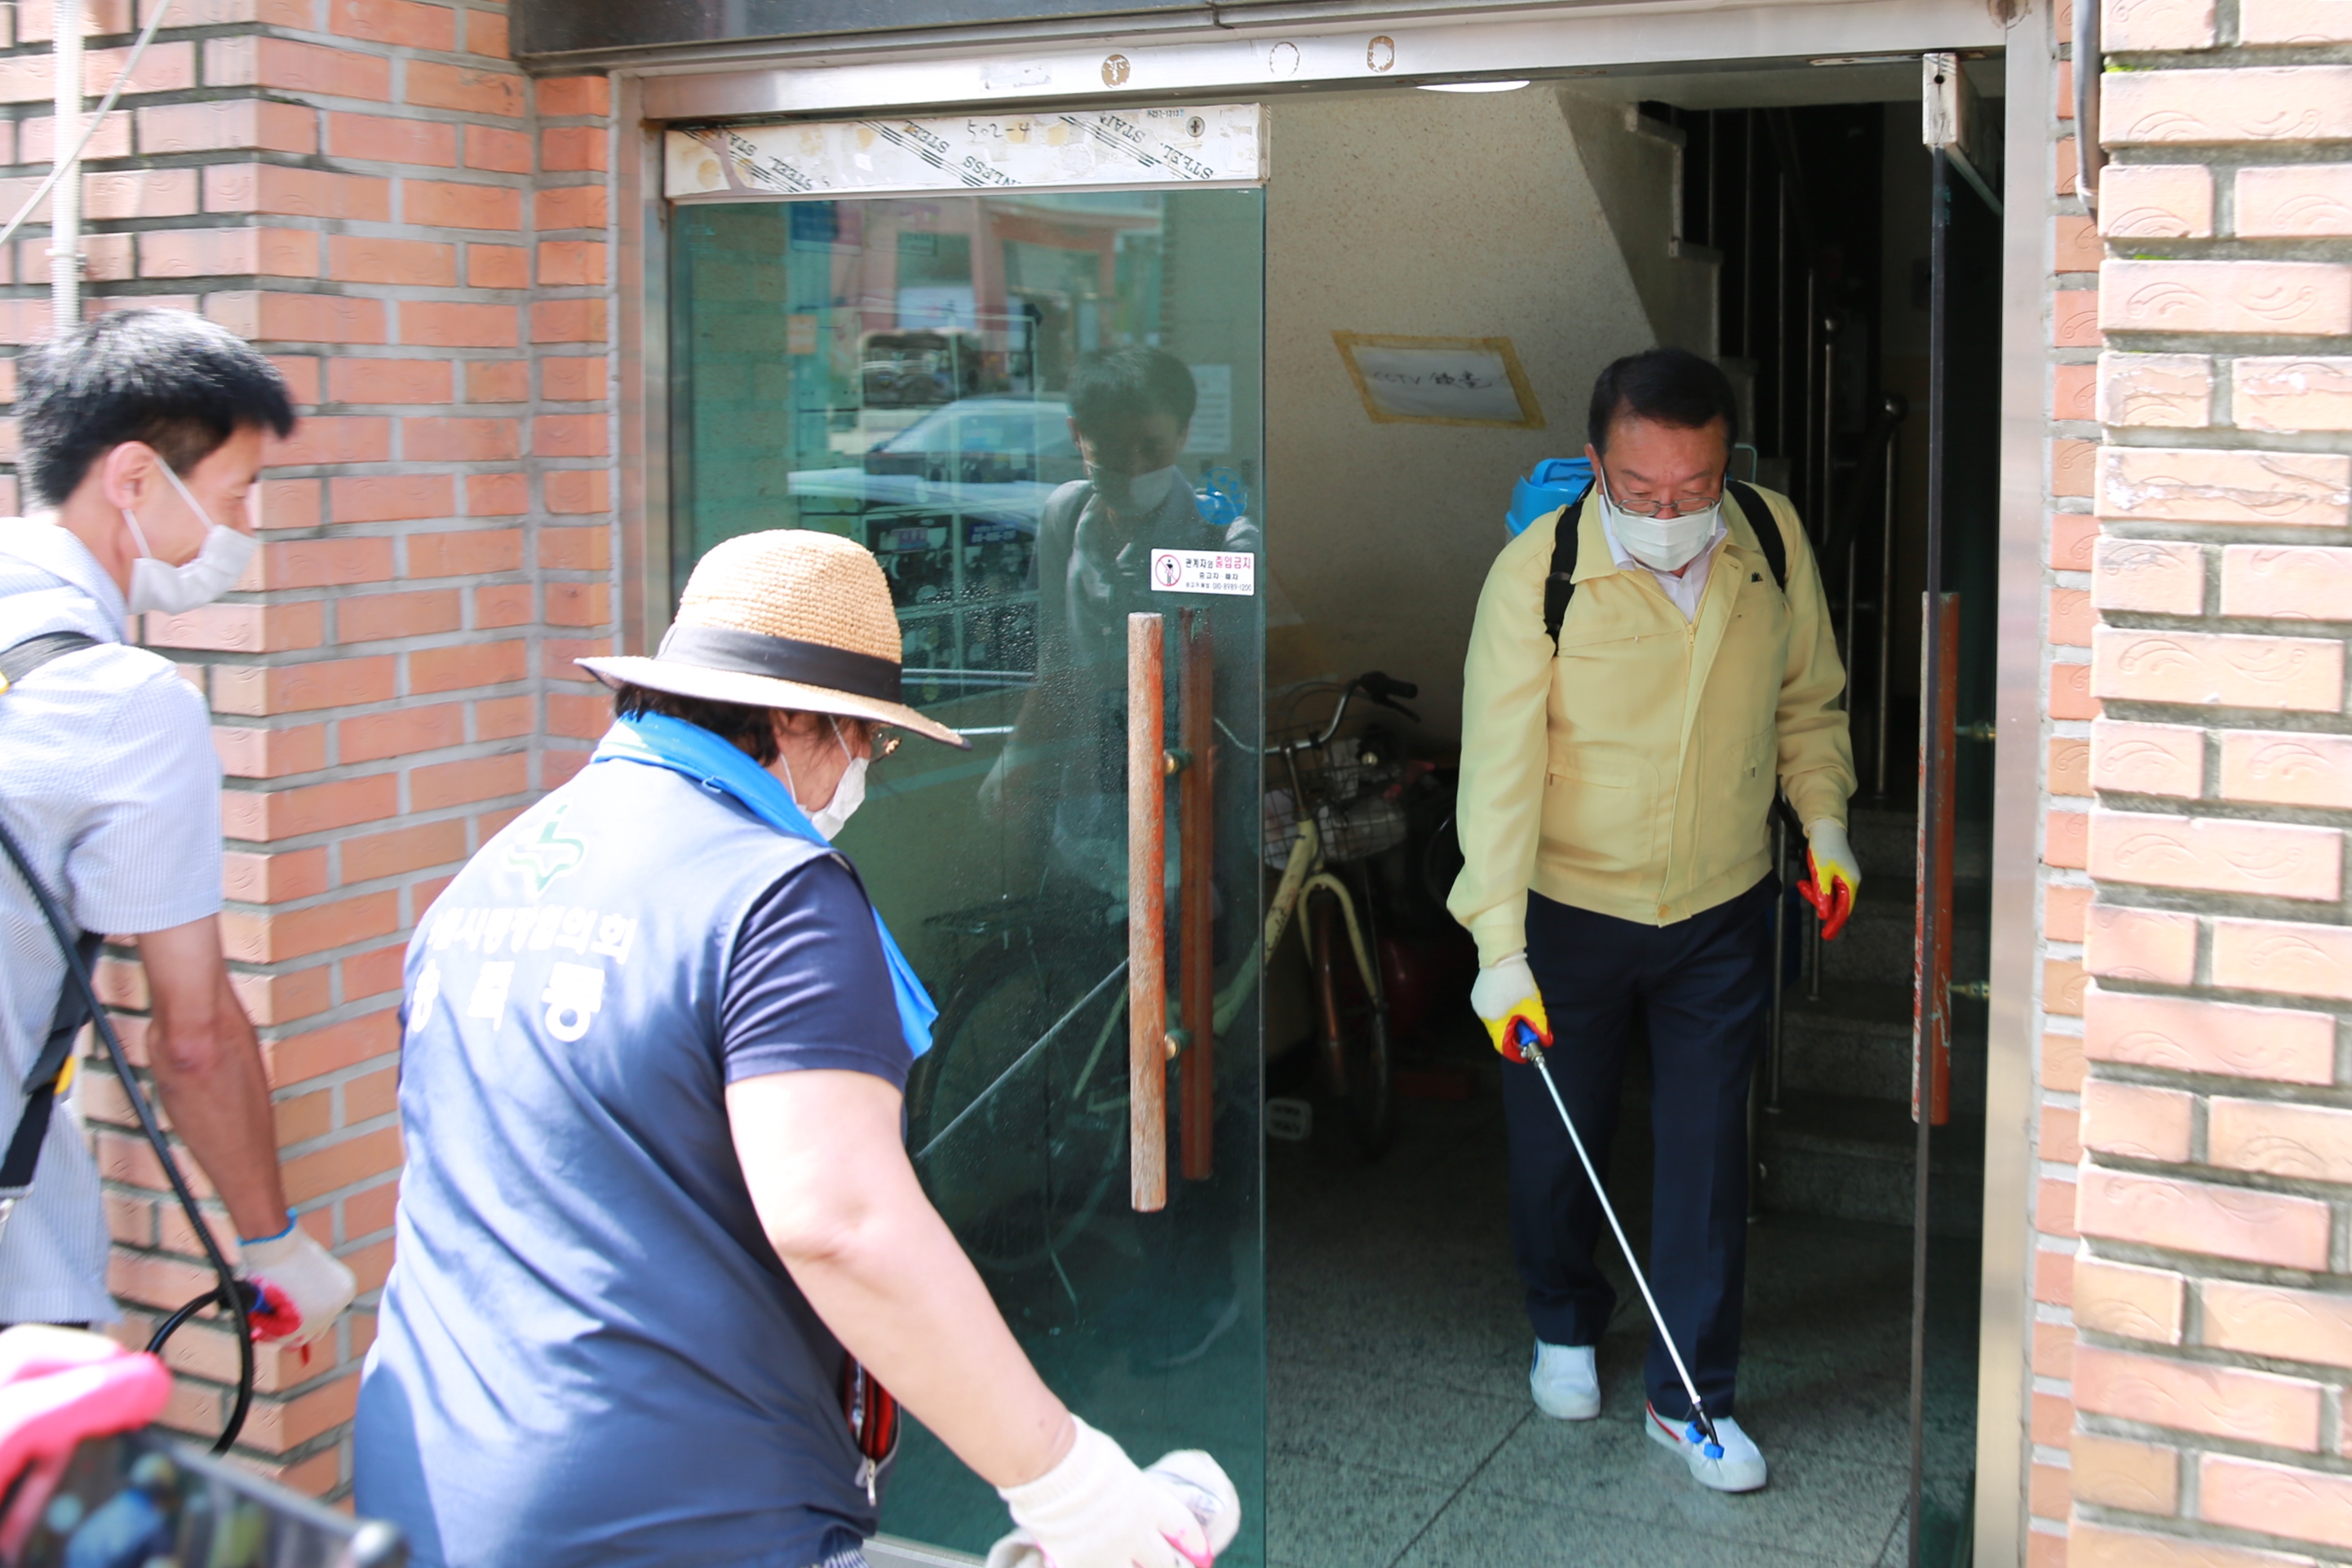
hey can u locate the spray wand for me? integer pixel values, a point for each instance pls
(1701, 1429)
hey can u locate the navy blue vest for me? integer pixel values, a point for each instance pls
(588, 1351)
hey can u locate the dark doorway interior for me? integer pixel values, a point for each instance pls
(1401, 1427)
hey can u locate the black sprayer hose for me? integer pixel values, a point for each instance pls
(233, 1293)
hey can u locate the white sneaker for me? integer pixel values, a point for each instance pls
(1566, 1385)
(1734, 1466)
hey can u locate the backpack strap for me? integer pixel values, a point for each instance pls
(52, 1069)
(20, 661)
(1560, 583)
(1766, 524)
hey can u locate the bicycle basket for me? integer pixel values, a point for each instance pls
(1348, 788)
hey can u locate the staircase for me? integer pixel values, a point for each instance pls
(1843, 1144)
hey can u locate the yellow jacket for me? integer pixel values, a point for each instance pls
(1631, 774)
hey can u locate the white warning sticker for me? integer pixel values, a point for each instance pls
(1204, 571)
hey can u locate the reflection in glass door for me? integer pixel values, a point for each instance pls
(931, 377)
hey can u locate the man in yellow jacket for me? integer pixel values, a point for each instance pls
(1616, 787)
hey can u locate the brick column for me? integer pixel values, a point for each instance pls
(371, 191)
(2212, 1291)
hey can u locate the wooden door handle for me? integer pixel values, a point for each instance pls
(1147, 915)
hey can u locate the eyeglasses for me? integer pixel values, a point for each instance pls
(881, 739)
(1654, 505)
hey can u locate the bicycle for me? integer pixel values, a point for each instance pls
(1342, 808)
(1036, 1139)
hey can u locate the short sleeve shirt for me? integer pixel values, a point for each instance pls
(109, 779)
(589, 1352)
(801, 991)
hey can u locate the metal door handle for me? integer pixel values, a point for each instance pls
(1147, 915)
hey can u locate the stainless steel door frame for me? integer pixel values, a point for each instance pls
(2004, 1360)
(810, 75)
(1254, 57)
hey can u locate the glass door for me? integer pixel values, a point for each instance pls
(1953, 951)
(930, 374)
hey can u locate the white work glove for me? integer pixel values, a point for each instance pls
(1833, 876)
(304, 1288)
(1095, 1510)
(1504, 993)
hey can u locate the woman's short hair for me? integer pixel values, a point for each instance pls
(751, 730)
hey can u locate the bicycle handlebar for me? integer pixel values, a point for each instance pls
(1381, 688)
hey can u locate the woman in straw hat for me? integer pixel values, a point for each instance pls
(658, 1221)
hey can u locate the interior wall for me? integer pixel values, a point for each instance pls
(1437, 214)
(1637, 165)
(1905, 187)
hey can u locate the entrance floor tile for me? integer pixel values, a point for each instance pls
(1320, 1512)
(1400, 1433)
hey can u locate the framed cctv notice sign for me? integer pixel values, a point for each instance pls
(1221, 144)
(1440, 381)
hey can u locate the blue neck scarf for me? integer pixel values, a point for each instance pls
(659, 741)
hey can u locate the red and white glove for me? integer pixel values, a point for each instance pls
(304, 1288)
(1833, 876)
(1095, 1510)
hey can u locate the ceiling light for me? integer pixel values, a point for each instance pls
(1864, 60)
(1472, 86)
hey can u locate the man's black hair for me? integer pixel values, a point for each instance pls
(747, 729)
(182, 385)
(1120, 387)
(1671, 387)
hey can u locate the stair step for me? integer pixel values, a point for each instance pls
(1856, 1041)
(1848, 1158)
(1890, 839)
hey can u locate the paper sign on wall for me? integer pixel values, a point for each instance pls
(1440, 381)
(1204, 571)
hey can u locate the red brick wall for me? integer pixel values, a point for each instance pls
(371, 191)
(2211, 1293)
(2071, 321)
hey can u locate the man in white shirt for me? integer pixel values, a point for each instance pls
(141, 439)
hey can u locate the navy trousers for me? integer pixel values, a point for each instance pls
(1702, 986)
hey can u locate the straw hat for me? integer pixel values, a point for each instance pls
(789, 618)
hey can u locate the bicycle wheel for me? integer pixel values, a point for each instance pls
(1018, 1158)
(1355, 1024)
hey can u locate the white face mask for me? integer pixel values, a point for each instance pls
(170, 590)
(1129, 494)
(847, 796)
(1661, 543)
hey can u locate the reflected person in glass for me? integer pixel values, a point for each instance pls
(1130, 417)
